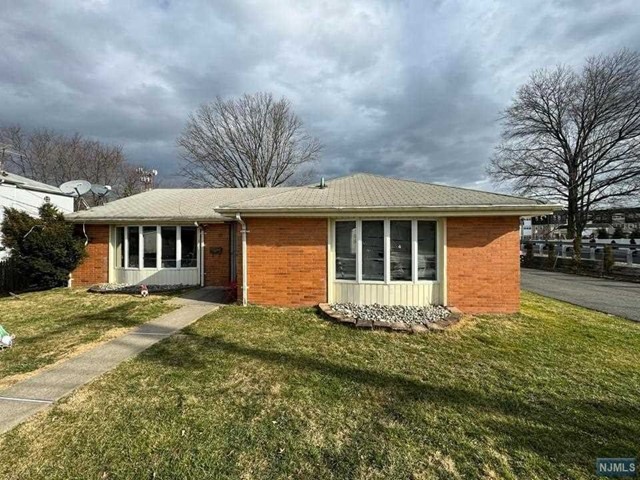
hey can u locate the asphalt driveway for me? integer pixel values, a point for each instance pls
(609, 296)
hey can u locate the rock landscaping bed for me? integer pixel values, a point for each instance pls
(133, 289)
(392, 317)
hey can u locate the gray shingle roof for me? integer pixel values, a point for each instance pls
(170, 204)
(373, 191)
(355, 192)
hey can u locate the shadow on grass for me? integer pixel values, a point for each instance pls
(119, 316)
(571, 431)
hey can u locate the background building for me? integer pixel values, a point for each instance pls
(28, 195)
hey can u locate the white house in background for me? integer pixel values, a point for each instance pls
(28, 195)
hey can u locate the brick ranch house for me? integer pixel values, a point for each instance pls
(361, 238)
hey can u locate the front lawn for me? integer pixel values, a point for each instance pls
(268, 393)
(54, 324)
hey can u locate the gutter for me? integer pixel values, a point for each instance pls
(444, 210)
(245, 274)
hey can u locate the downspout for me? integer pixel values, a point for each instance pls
(245, 274)
(202, 251)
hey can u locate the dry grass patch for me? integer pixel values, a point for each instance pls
(53, 325)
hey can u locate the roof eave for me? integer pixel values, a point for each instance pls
(147, 220)
(33, 188)
(445, 210)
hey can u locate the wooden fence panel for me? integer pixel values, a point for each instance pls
(10, 279)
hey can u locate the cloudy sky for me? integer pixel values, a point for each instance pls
(408, 89)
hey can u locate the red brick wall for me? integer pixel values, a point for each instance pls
(217, 255)
(287, 261)
(483, 264)
(95, 267)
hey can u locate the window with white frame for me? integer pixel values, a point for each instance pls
(386, 250)
(119, 247)
(373, 254)
(346, 246)
(156, 247)
(189, 242)
(169, 236)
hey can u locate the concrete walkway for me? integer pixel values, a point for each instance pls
(25, 398)
(608, 296)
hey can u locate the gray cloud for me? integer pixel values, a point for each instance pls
(411, 89)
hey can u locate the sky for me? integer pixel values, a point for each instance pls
(400, 88)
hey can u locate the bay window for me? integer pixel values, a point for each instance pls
(386, 250)
(156, 247)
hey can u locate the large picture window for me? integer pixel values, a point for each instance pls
(156, 247)
(386, 250)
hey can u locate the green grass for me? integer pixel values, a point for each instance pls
(57, 323)
(267, 393)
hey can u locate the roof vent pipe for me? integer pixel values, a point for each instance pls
(322, 183)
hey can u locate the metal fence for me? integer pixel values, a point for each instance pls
(623, 254)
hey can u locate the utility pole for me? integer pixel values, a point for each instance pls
(147, 177)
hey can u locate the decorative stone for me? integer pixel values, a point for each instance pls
(361, 323)
(134, 289)
(456, 313)
(435, 327)
(419, 329)
(381, 324)
(399, 318)
(400, 327)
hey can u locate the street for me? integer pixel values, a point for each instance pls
(609, 296)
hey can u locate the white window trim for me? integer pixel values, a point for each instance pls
(158, 249)
(387, 250)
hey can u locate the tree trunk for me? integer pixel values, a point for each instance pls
(574, 229)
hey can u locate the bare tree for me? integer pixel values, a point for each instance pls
(53, 158)
(252, 141)
(575, 137)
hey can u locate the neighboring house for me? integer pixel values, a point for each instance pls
(361, 238)
(28, 195)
